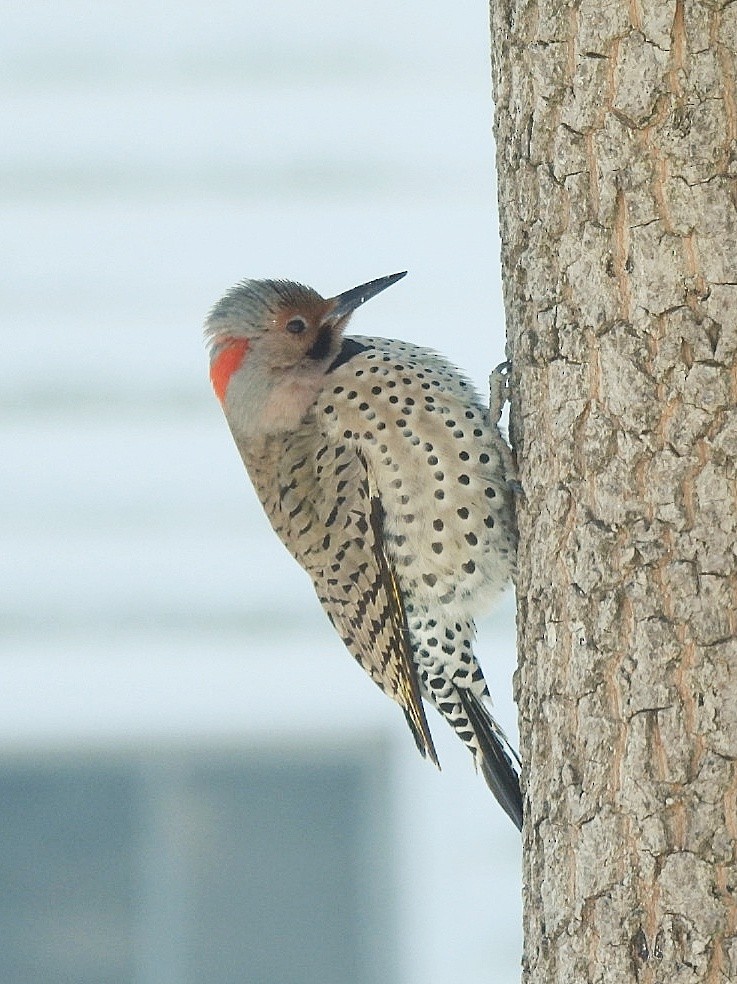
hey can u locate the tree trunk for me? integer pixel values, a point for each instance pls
(616, 126)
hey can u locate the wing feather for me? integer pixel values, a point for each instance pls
(338, 539)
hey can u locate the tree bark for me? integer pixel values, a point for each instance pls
(616, 127)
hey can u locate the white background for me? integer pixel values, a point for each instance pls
(151, 156)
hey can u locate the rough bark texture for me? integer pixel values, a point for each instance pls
(616, 125)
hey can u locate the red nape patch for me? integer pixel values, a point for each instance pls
(228, 360)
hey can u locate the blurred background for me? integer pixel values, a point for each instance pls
(197, 784)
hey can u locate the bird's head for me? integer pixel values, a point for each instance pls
(271, 343)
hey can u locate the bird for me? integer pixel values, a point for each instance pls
(388, 479)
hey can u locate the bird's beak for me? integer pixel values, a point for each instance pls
(349, 300)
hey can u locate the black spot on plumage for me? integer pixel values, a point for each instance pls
(332, 516)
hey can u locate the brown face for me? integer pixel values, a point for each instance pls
(303, 333)
(281, 330)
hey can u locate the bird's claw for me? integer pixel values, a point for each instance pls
(499, 387)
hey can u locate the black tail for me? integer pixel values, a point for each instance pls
(497, 757)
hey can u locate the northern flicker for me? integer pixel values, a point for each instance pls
(387, 479)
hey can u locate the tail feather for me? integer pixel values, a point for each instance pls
(497, 757)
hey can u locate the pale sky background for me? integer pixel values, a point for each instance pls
(150, 157)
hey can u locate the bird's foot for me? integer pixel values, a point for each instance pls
(499, 390)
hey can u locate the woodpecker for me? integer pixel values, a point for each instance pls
(388, 480)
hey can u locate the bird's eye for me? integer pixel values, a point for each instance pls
(295, 326)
